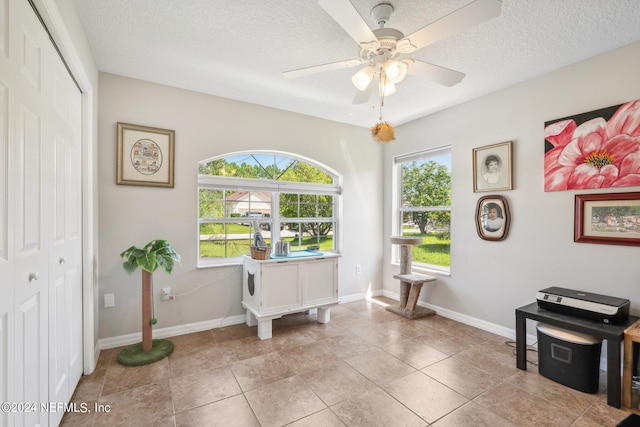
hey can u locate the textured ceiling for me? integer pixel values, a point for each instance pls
(238, 49)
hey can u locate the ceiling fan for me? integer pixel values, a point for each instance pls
(386, 50)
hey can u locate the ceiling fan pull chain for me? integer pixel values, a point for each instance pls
(382, 83)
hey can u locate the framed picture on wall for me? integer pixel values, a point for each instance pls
(493, 218)
(607, 218)
(492, 169)
(596, 149)
(145, 155)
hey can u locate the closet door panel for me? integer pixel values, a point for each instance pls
(6, 259)
(31, 358)
(31, 270)
(5, 215)
(31, 176)
(7, 268)
(65, 262)
(6, 378)
(4, 28)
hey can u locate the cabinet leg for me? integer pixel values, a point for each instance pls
(264, 329)
(324, 314)
(250, 319)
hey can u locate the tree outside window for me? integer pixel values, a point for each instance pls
(424, 205)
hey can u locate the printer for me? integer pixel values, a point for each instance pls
(601, 308)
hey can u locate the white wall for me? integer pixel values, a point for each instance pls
(490, 279)
(208, 126)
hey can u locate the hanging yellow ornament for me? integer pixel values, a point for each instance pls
(383, 132)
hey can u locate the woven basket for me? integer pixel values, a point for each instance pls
(260, 253)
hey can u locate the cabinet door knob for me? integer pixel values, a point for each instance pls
(63, 259)
(34, 276)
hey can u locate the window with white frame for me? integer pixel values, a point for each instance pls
(284, 196)
(423, 206)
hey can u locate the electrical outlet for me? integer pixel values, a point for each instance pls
(109, 300)
(166, 294)
(358, 270)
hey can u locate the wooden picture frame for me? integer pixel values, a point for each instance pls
(493, 218)
(492, 167)
(607, 218)
(145, 156)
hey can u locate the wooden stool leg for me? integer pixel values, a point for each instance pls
(627, 372)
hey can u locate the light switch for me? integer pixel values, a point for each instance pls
(109, 300)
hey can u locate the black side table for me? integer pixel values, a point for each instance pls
(614, 334)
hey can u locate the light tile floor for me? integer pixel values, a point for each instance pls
(367, 367)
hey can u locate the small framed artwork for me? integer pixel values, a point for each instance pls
(492, 168)
(145, 155)
(609, 218)
(493, 218)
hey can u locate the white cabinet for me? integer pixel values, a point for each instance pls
(317, 287)
(273, 288)
(281, 287)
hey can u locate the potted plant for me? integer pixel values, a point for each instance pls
(156, 253)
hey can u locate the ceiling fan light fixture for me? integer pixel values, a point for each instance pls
(362, 78)
(395, 70)
(387, 87)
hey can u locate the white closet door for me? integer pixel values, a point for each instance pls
(32, 172)
(6, 221)
(65, 248)
(6, 253)
(40, 220)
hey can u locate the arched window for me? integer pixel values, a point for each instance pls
(286, 197)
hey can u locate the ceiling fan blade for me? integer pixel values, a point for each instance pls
(363, 96)
(343, 12)
(435, 73)
(467, 16)
(301, 72)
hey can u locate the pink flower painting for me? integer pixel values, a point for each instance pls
(599, 149)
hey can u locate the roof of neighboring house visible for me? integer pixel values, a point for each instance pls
(240, 195)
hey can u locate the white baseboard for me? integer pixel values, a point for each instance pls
(467, 320)
(122, 340)
(172, 331)
(358, 297)
(532, 340)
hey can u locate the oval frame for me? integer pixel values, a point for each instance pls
(484, 227)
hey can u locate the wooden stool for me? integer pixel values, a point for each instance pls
(631, 335)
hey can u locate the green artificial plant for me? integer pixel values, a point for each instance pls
(156, 253)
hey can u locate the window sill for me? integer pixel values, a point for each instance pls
(233, 263)
(426, 270)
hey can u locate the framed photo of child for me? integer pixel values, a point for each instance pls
(492, 169)
(493, 218)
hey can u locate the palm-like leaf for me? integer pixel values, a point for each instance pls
(156, 253)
